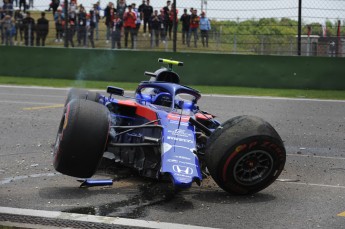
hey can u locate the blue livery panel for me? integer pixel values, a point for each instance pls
(178, 146)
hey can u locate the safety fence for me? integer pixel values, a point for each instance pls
(259, 27)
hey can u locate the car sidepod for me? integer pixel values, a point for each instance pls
(178, 147)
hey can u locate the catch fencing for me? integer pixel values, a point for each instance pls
(258, 27)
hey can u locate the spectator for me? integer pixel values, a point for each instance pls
(7, 8)
(137, 22)
(90, 28)
(156, 25)
(29, 27)
(121, 8)
(8, 28)
(70, 32)
(205, 27)
(42, 30)
(55, 5)
(18, 19)
(167, 22)
(171, 18)
(193, 28)
(129, 19)
(162, 30)
(81, 29)
(72, 10)
(95, 17)
(147, 13)
(50, 6)
(185, 19)
(166, 14)
(117, 24)
(59, 21)
(22, 3)
(141, 8)
(109, 17)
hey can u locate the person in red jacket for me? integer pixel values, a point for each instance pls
(193, 28)
(129, 19)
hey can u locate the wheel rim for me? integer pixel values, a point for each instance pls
(253, 167)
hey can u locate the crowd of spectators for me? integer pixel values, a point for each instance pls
(122, 22)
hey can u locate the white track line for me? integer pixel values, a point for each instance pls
(312, 184)
(205, 95)
(312, 156)
(273, 98)
(95, 219)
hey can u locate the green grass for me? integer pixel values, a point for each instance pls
(290, 93)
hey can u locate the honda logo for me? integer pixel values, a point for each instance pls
(183, 169)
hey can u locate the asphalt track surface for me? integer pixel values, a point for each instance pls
(309, 194)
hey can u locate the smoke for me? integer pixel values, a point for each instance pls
(95, 66)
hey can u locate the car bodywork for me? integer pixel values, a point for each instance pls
(162, 134)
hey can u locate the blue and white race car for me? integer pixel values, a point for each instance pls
(162, 134)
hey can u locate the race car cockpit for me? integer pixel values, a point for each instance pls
(162, 99)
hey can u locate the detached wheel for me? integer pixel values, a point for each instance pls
(76, 93)
(81, 138)
(245, 155)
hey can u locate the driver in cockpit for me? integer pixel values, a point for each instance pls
(162, 99)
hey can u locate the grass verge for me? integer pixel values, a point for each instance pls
(289, 93)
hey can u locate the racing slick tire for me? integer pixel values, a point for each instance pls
(77, 93)
(245, 155)
(81, 138)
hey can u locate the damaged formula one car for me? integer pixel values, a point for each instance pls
(162, 134)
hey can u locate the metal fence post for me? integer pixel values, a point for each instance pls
(299, 27)
(66, 24)
(262, 45)
(174, 27)
(30, 38)
(235, 44)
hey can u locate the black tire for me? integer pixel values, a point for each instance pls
(81, 138)
(245, 155)
(77, 93)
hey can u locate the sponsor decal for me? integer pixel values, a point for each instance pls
(178, 123)
(182, 177)
(172, 160)
(191, 149)
(180, 133)
(183, 169)
(177, 117)
(187, 163)
(180, 139)
(182, 157)
(166, 147)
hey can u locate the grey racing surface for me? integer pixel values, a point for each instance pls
(310, 193)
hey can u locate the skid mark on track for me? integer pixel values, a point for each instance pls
(11, 179)
(43, 107)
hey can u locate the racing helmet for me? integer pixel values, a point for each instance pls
(162, 99)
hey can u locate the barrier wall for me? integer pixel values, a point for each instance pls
(199, 69)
